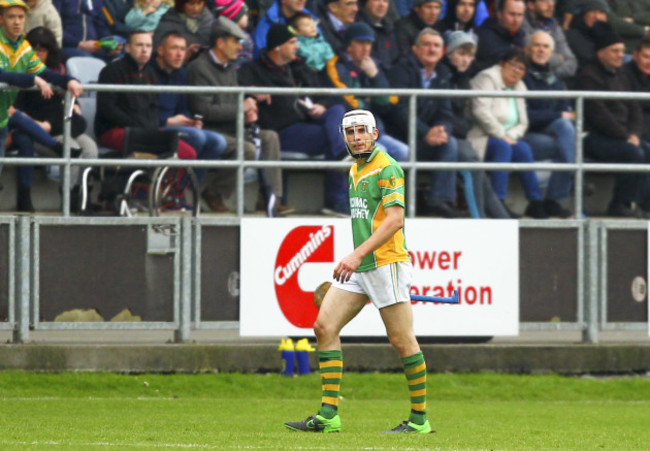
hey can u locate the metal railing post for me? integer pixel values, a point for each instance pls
(240, 154)
(185, 316)
(592, 283)
(67, 127)
(413, 146)
(579, 174)
(23, 276)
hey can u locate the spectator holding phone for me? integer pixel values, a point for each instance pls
(173, 109)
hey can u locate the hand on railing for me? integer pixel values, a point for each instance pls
(44, 86)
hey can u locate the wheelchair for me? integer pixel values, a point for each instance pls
(131, 191)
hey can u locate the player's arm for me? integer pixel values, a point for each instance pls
(394, 221)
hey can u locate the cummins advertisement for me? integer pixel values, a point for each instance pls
(284, 260)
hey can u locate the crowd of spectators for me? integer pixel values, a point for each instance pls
(496, 45)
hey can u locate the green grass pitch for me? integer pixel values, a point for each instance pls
(246, 411)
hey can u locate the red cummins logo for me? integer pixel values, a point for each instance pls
(304, 244)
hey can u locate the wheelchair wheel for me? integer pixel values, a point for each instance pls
(133, 201)
(174, 192)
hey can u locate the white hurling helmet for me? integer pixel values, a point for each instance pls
(355, 118)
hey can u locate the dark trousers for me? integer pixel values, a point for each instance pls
(615, 150)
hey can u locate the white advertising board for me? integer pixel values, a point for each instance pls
(284, 260)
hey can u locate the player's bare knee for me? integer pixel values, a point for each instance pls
(403, 344)
(322, 330)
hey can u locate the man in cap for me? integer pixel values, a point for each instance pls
(355, 67)
(540, 16)
(21, 67)
(214, 68)
(625, 16)
(580, 33)
(498, 34)
(335, 17)
(614, 126)
(304, 127)
(425, 13)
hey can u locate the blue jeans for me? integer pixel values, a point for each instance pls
(24, 133)
(316, 137)
(499, 151)
(394, 147)
(556, 142)
(443, 183)
(209, 145)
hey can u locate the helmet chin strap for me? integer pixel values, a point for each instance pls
(360, 155)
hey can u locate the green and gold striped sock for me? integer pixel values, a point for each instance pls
(415, 370)
(330, 364)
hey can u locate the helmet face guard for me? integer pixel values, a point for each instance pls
(354, 119)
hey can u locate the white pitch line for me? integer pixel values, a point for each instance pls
(186, 445)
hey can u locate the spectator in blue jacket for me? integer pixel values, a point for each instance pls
(420, 70)
(85, 29)
(499, 34)
(551, 133)
(173, 109)
(281, 11)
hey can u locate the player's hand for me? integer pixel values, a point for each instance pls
(75, 88)
(46, 89)
(346, 267)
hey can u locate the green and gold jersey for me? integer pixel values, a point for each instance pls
(374, 185)
(17, 57)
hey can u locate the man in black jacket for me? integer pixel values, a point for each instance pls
(420, 69)
(118, 110)
(498, 34)
(425, 13)
(638, 75)
(303, 127)
(614, 126)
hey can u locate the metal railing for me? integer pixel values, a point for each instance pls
(589, 297)
(412, 167)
